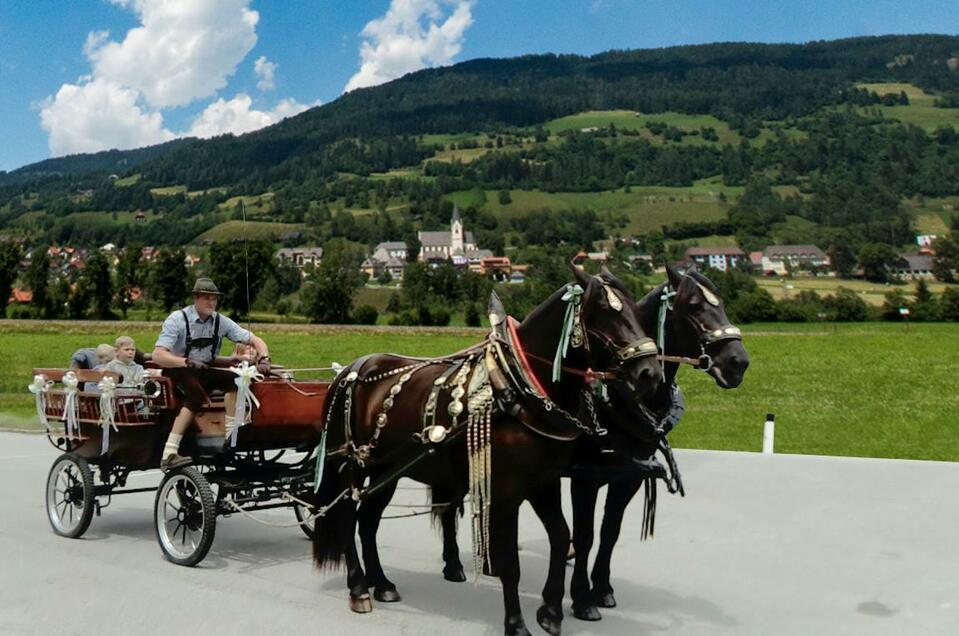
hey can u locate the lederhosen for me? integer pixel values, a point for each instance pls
(195, 384)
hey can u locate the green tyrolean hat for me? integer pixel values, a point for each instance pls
(205, 286)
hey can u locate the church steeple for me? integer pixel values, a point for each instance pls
(456, 232)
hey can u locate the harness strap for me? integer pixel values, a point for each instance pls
(214, 341)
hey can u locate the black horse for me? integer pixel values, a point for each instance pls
(388, 416)
(688, 314)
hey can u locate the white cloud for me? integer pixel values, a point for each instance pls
(236, 116)
(264, 71)
(399, 42)
(99, 115)
(183, 50)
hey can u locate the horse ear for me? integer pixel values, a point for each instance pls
(496, 311)
(612, 280)
(581, 276)
(675, 278)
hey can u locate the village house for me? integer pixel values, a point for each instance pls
(782, 259)
(914, 266)
(300, 256)
(721, 258)
(389, 256)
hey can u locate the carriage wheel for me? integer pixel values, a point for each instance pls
(70, 496)
(303, 514)
(184, 516)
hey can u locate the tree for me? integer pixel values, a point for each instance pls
(946, 261)
(894, 301)
(842, 259)
(10, 255)
(925, 307)
(330, 296)
(130, 275)
(949, 304)
(169, 277)
(240, 269)
(36, 278)
(846, 306)
(504, 197)
(877, 259)
(97, 273)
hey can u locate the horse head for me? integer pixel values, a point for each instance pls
(616, 342)
(702, 328)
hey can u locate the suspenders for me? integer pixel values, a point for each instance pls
(201, 343)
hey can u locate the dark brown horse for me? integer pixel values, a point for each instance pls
(693, 326)
(390, 416)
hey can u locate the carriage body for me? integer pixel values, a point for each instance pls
(289, 415)
(271, 465)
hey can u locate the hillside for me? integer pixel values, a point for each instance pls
(851, 139)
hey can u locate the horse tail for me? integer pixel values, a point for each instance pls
(336, 525)
(441, 502)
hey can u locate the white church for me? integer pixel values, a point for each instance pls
(456, 245)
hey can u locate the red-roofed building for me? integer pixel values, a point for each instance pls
(20, 297)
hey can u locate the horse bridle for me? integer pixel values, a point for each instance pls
(705, 336)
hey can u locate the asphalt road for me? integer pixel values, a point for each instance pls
(761, 545)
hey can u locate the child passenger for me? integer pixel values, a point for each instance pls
(131, 372)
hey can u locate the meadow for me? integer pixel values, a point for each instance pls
(867, 389)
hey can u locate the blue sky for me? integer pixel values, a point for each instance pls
(86, 75)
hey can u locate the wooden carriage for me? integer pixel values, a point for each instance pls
(271, 464)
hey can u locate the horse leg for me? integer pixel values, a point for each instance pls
(452, 565)
(369, 515)
(334, 535)
(548, 507)
(583, 491)
(504, 528)
(618, 496)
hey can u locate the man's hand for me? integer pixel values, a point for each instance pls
(195, 364)
(263, 365)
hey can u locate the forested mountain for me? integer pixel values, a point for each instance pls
(801, 129)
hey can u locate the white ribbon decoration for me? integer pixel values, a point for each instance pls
(245, 400)
(71, 408)
(39, 389)
(108, 387)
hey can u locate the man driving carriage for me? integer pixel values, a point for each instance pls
(186, 350)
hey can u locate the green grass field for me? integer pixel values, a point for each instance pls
(873, 390)
(647, 208)
(231, 230)
(872, 293)
(920, 110)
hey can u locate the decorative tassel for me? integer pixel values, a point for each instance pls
(39, 388)
(571, 297)
(71, 409)
(245, 400)
(320, 461)
(107, 388)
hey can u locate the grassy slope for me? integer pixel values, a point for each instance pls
(231, 230)
(920, 110)
(876, 390)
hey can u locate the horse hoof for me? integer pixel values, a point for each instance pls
(605, 599)
(454, 574)
(549, 620)
(361, 604)
(587, 613)
(517, 628)
(386, 595)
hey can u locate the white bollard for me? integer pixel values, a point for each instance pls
(769, 432)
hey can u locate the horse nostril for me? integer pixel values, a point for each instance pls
(738, 363)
